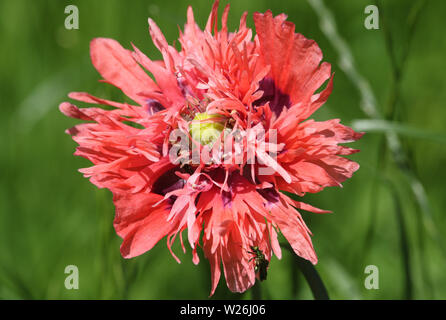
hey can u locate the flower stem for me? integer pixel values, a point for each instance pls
(311, 275)
(256, 291)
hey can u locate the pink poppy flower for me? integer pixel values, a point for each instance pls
(209, 142)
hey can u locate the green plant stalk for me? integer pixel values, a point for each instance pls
(310, 274)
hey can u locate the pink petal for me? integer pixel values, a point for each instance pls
(118, 67)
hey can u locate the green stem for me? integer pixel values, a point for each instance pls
(295, 281)
(256, 291)
(310, 274)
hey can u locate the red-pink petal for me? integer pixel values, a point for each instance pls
(118, 67)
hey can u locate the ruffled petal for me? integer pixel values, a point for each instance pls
(139, 223)
(118, 67)
(295, 64)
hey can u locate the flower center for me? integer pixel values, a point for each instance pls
(206, 128)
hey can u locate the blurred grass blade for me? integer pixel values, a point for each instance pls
(310, 274)
(404, 243)
(339, 277)
(384, 126)
(45, 96)
(10, 278)
(346, 62)
(369, 106)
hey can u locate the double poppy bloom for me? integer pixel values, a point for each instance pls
(212, 140)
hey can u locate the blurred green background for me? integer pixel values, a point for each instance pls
(390, 214)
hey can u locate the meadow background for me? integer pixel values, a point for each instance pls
(388, 82)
